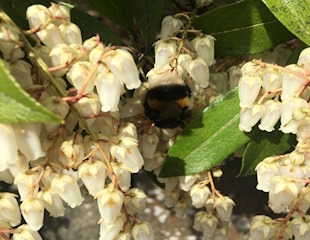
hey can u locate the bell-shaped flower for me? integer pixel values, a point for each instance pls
(142, 230)
(6, 176)
(291, 107)
(135, 200)
(67, 188)
(70, 33)
(123, 175)
(71, 152)
(9, 209)
(271, 116)
(303, 130)
(109, 231)
(151, 164)
(248, 90)
(52, 202)
(184, 59)
(199, 194)
(204, 46)
(124, 68)
(89, 106)
(199, 72)
(25, 232)
(283, 191)
(28, 141)
(8, 147)
(149, 142)
(304, 58)
(132, 107)
(81, 76)
(93, 175)
(181, 208)
(224, 206)
(294, 81)
(186, 182)
(171, 197)
(170, 26)
(164, 53)
(37, 15)
(272, 80)
(209, 224)
(110, 201)
(27, 184)
(250, 116)
(50, 35)
(60, 13)
(109, 90)
(266, 169)
(21, 166)
(33, 212)
(251, 69)
(301, 227)
(263, 227)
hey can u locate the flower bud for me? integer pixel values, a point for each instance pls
(142, 231)
(110, 201)
(67, 188)
(170, 26)
(109, 90)
(204, 46)
(9, 209)
(93, 175)
(124, 68)
(199, 72)
(33, 212)
(8, 147)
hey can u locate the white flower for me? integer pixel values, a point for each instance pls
(304, 58)
(263, 227)
(224, 206)
(52, 202)
(135, 200)
(123, 175)
(204, 46)
(70, 33)
(208, 223)
(8, 147)
(21, 70)
(272, 80)
(110, 201)
(199, 194)
(37, 15)
(28, 141)
(170, 26)
(109, 231)
(50, 35)
(142, 231)
(149, 142)
(293, 83)
(109, 90)
(67, 188)
(266, 169)
(248, 90)
(25, 232)
(33, 212)
(186, 182)
(27, 184)
(93, 175)
(164, 53)
(301, 227)
(250, 116)
(71, 152)
(9, 209)
(124, 68)
(199, 72)
(271, 116)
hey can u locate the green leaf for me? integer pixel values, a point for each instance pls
(208, 139)
(119, 11)
(148, 16)
(265, 145)
(16, 106)
(244, 27)
(294, 15)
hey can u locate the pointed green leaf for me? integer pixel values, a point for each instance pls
(208, 139)
(16, 106)
(148, 16)
(294, 15)
(244, 27)
(265, 145)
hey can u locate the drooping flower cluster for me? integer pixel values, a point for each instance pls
(269, 94)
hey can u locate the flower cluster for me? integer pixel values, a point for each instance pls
(270, 93)
(105, 136)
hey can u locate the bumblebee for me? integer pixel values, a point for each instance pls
(167, 103)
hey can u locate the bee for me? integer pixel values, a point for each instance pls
(168, 102)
